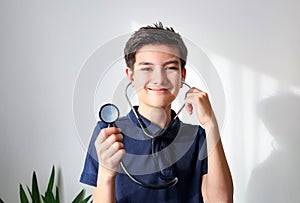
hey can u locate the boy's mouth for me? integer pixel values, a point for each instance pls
(158, 89)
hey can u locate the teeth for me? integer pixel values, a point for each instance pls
(162, 88)
(158, 90)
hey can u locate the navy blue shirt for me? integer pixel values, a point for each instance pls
(180, 151)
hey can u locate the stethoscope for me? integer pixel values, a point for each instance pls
(109, 114)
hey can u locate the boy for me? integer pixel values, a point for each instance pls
(155, 57)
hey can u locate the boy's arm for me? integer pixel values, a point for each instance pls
(217, 184)
(105, 190)
(109, 151)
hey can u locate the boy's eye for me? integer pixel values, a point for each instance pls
(146, 69)
(172, 68)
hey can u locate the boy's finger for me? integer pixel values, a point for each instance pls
(107, 132)
(114, 138)
(111, 150)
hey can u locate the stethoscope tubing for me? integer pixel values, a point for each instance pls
(148, 134)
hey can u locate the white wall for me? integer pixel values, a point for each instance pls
(253, 45)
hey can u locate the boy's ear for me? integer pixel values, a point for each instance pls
(183, 76)
(129, 73)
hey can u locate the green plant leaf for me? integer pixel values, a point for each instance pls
(79, 197)
(1, 201)
(30, 193)
(44, 199)
(51, 181)
(86, 199)
(49, 196)
(23, 196)
(36, 197)
(57, 195)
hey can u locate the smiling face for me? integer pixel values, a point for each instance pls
(156, 76)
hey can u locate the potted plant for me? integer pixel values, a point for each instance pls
(48, 197)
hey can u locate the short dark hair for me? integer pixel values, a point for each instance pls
(154, 35)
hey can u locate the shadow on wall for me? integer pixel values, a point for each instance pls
(277, 179)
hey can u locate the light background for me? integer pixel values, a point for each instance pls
(254, 46)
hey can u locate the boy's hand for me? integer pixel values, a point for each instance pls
(198, 100)
(110, 150)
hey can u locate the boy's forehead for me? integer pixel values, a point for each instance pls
(160, 48)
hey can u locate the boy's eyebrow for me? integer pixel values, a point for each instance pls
(176, 62)
(145, 63)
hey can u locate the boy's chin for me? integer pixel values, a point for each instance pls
(162, 105)
(158, 102)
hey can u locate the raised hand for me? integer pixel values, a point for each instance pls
(197, 100)
(110, 150)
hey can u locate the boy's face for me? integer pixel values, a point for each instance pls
(156, 75)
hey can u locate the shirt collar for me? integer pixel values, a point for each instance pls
(171, 132)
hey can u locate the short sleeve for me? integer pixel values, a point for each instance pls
(203, 151)
(90, 171)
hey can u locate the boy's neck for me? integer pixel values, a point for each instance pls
(157, 115)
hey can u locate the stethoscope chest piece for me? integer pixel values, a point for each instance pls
(109, 113)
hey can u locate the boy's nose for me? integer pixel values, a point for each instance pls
(159, 76)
